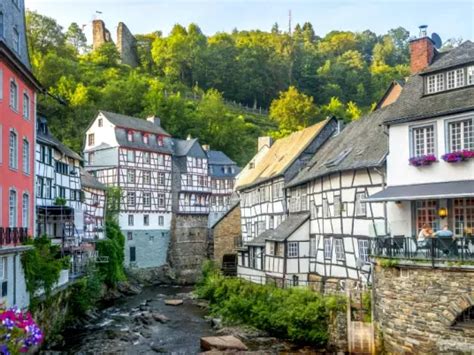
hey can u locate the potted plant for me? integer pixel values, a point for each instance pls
(458, 156)
(423, 160)
(18, 331)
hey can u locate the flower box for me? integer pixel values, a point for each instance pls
(456, 157)
(423, 160)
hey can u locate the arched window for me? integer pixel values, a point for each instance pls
(13, 150)
(25, 210)
(466, 318)
(12, 208)
(13, 95)
(26, 156)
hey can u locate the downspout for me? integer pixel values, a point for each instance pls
(14, 278)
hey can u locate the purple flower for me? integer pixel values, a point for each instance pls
(458, 156)
(423, 160)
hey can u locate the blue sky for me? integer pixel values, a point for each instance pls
(447, 18)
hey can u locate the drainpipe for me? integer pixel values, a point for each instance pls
(14, 278)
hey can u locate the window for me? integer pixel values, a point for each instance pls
(100, 122)
(423, 141)
(161, 179)
(26, 106)
(48, 188)
(326, 208)
(327, 248)
(25, 210)
(426, 212)
(461, 135)
(160, 141)
(459, 77)
(13, 150)
(161, 200)
(470, 75)
(161, 159)
(146, 199)
(13, 95)
(91, 139)
(16, 40)
(91, 158)
(26, 156)
(189, 180)
(133, 254)
(463, 216)
(198, 163)
(131, 175)
(440, 82)
(360, 207)
(339, 247)
(337, 206)
(146, 220)
(130, 136)
(271, 248)
(12, 208)
(147, 177)
(312, 247)
(431, 84)
(145, 138)
(130, 220)
(131, 156)
(146, 157)
(129, 235)
(293, 249)
(364, 250)
(61, 168)
(201, 181)
(131, 199)
(39, 186)
(451, 82)
(161, 221)
(61, 192)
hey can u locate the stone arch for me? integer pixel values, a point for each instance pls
(457, 307)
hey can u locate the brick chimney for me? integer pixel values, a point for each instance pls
(154, 119)
(264, 141)
(422, 50)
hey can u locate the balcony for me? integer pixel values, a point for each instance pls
(435, 250)
(13, 236)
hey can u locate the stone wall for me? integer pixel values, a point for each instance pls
(188, 246)
(126, 45)
(415, 308)
(100, 34)
(224, 234)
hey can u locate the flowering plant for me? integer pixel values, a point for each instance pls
(18, 331)
(423, 160)
(458, 156)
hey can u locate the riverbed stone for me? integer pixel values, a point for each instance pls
(227, 342)
(160, 317)
(175, 302)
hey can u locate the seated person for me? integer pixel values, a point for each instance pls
(425, 233)
(444, 233)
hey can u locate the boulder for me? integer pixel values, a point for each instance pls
(227, 342)
(160, 317)
(173, 302)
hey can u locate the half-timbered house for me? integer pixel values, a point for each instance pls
(59, 213)
(331, 188)
(222, 173)
(94, 200)
(262, 194)
(135, 155)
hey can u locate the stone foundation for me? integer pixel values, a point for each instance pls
(415, 309)
(188, 246)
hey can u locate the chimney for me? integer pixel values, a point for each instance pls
(264, 141)
(206, 147)
(422, 50)
(155, 120)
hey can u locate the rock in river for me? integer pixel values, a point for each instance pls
(174, 302)
(227, 342)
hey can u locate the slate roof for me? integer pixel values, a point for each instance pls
(137, 143)
(287, 227)
(221, 218)
(280, 156)
(183, 146)
(89, 180)
(413, 105)
(133, 123)
(49, 139)
(216, 157)
(362, 144)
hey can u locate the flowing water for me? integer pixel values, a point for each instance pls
(129, 326)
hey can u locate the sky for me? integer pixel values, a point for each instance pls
(450, 19)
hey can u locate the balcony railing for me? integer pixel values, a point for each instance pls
(433, 249)
(13, 236)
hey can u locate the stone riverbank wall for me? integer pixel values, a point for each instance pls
(419, 309)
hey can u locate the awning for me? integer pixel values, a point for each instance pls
(438, 190)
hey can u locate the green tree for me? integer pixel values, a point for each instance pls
(293, 110)
(44, 34)
(76, 38)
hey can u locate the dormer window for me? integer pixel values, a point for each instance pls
(449, 80)
(130, 136)
(160, 141)
(470, 75)
(100, 122)
(145, 138)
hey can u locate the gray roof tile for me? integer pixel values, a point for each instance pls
(133, 123)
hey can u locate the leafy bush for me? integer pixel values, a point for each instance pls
(298, 314)
(85, 293)
(113, 248)
(42, 265)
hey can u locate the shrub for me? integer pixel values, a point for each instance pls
(298, 314)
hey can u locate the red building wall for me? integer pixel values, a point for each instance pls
(25, 128)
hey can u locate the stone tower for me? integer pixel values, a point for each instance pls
(126, 45)
(100, 34)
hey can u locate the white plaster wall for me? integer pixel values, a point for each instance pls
(256, 276)
(104, 134)
(399, 172)
(399, 217)
(17, 286)
(138, 221)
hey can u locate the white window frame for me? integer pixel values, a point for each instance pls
(12, 208)
(131, 176)
(26, 106)
(25, 210)
(465, 134)
(469, 75)
(339, 248)
(360, 207)
(91, 139)
(327, 248)
(147, 199)
(363, 249)
(161, 220)
(161, 200)
(130, 156)
(293, 251)
(415, 151)
(13, 89)
(131, 220)
(131, 199)
(146, 177)
(26, 156)
(13, 149)
(146, 157)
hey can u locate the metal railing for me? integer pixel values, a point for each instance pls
(13, 236)
(432, 249)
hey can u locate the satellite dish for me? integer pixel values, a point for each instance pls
(436, 39)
